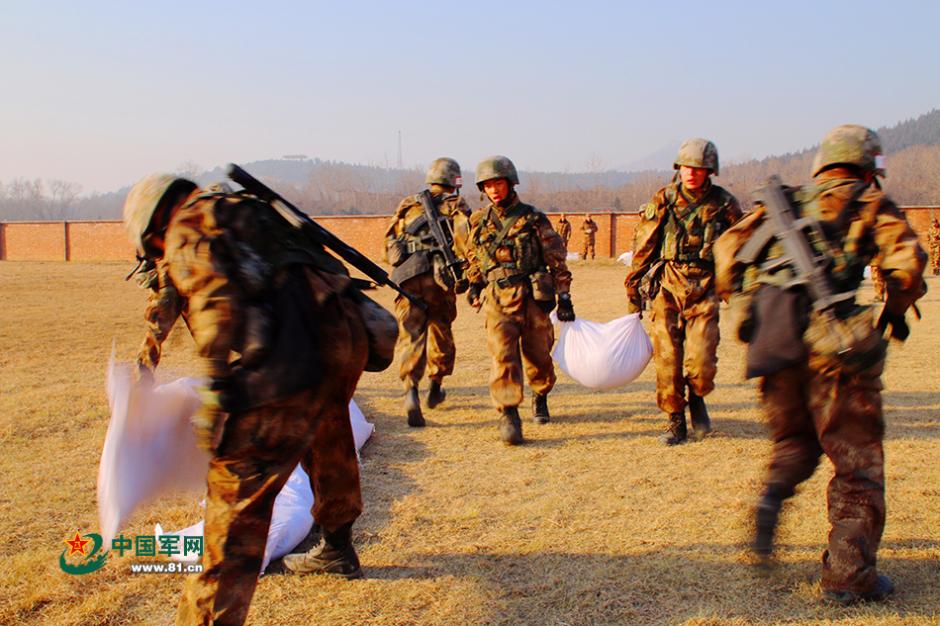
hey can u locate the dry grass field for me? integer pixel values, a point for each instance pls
(591, 522)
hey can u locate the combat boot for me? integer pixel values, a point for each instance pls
(540, 409)
(879, 593)
(676, 433)
(436, 394)
(701, 423)
(413, 408)
(333, 555)
(510, 426)
(765, 524)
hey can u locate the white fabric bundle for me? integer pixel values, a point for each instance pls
(603, 356)
(150, 450)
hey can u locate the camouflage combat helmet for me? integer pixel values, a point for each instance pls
(444, 171)
(143, 200)
(850, 144)
(697, 152)
(496, 167)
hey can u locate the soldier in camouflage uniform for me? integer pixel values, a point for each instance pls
(516, 267)
(672, 255)
(588, 235)
(425, 338)
(291, 315)
(564, 229)
(933, 242)
(826, 397)
(878, 283)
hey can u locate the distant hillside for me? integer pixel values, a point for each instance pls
(334, 188)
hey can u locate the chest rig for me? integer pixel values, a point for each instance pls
(690, 231)
(509, 259)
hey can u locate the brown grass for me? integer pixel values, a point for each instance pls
(592, 522)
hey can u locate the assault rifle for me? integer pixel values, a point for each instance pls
(444, 243)
(810, 268)
(300, 220)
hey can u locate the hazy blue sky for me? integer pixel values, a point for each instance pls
(101, 93)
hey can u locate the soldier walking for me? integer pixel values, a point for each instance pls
(588, 230)
(516, 267)
(821, 371)
(247, 283)
(564, 229)
(933, 242)
(672, 256)
(425, 340)
(878, 282)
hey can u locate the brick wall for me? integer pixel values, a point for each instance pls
(106, 241)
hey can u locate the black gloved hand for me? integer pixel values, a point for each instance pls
(461, 286)
(899, 328)
(565, 308)
(473, 294)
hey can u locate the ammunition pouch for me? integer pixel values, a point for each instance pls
(649, 284)
(849, 341)
(442, 274)
(396, 251)
(415, 265)
(777, 319)
(381, 330)
(543, 287)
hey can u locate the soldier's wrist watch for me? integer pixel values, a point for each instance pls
(564, 296)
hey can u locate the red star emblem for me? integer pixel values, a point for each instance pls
(77, 544)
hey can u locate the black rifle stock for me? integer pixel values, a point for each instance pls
(809, 268)
(444, 242)
(300, 220)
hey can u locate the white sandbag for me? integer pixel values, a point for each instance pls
(626, 258)
(149, 449)
(603, 356)
(291, 521)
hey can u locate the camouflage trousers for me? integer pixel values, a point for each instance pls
(426, 338)
(935, 259)
(587, 248)
(519, 335)
(813, 410)
(684, 329)
(258, 451)
(878, 282)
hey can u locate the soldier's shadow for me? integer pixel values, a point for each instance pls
(698, 583)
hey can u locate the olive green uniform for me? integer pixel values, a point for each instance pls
(425, 340)
(522, 272)
(673, 244)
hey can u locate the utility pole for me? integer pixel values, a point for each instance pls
(399, 149)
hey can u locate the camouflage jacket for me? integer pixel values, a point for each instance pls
(216, 280)
(589, 227)
(408, 232)
(933, 236)
(530, 246)
(676, 228)
(564, 231)
(862, 226)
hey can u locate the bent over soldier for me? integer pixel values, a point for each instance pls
(516, 266)
(425, 339)
(279, 325)
(672, 259)
(820, 385)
